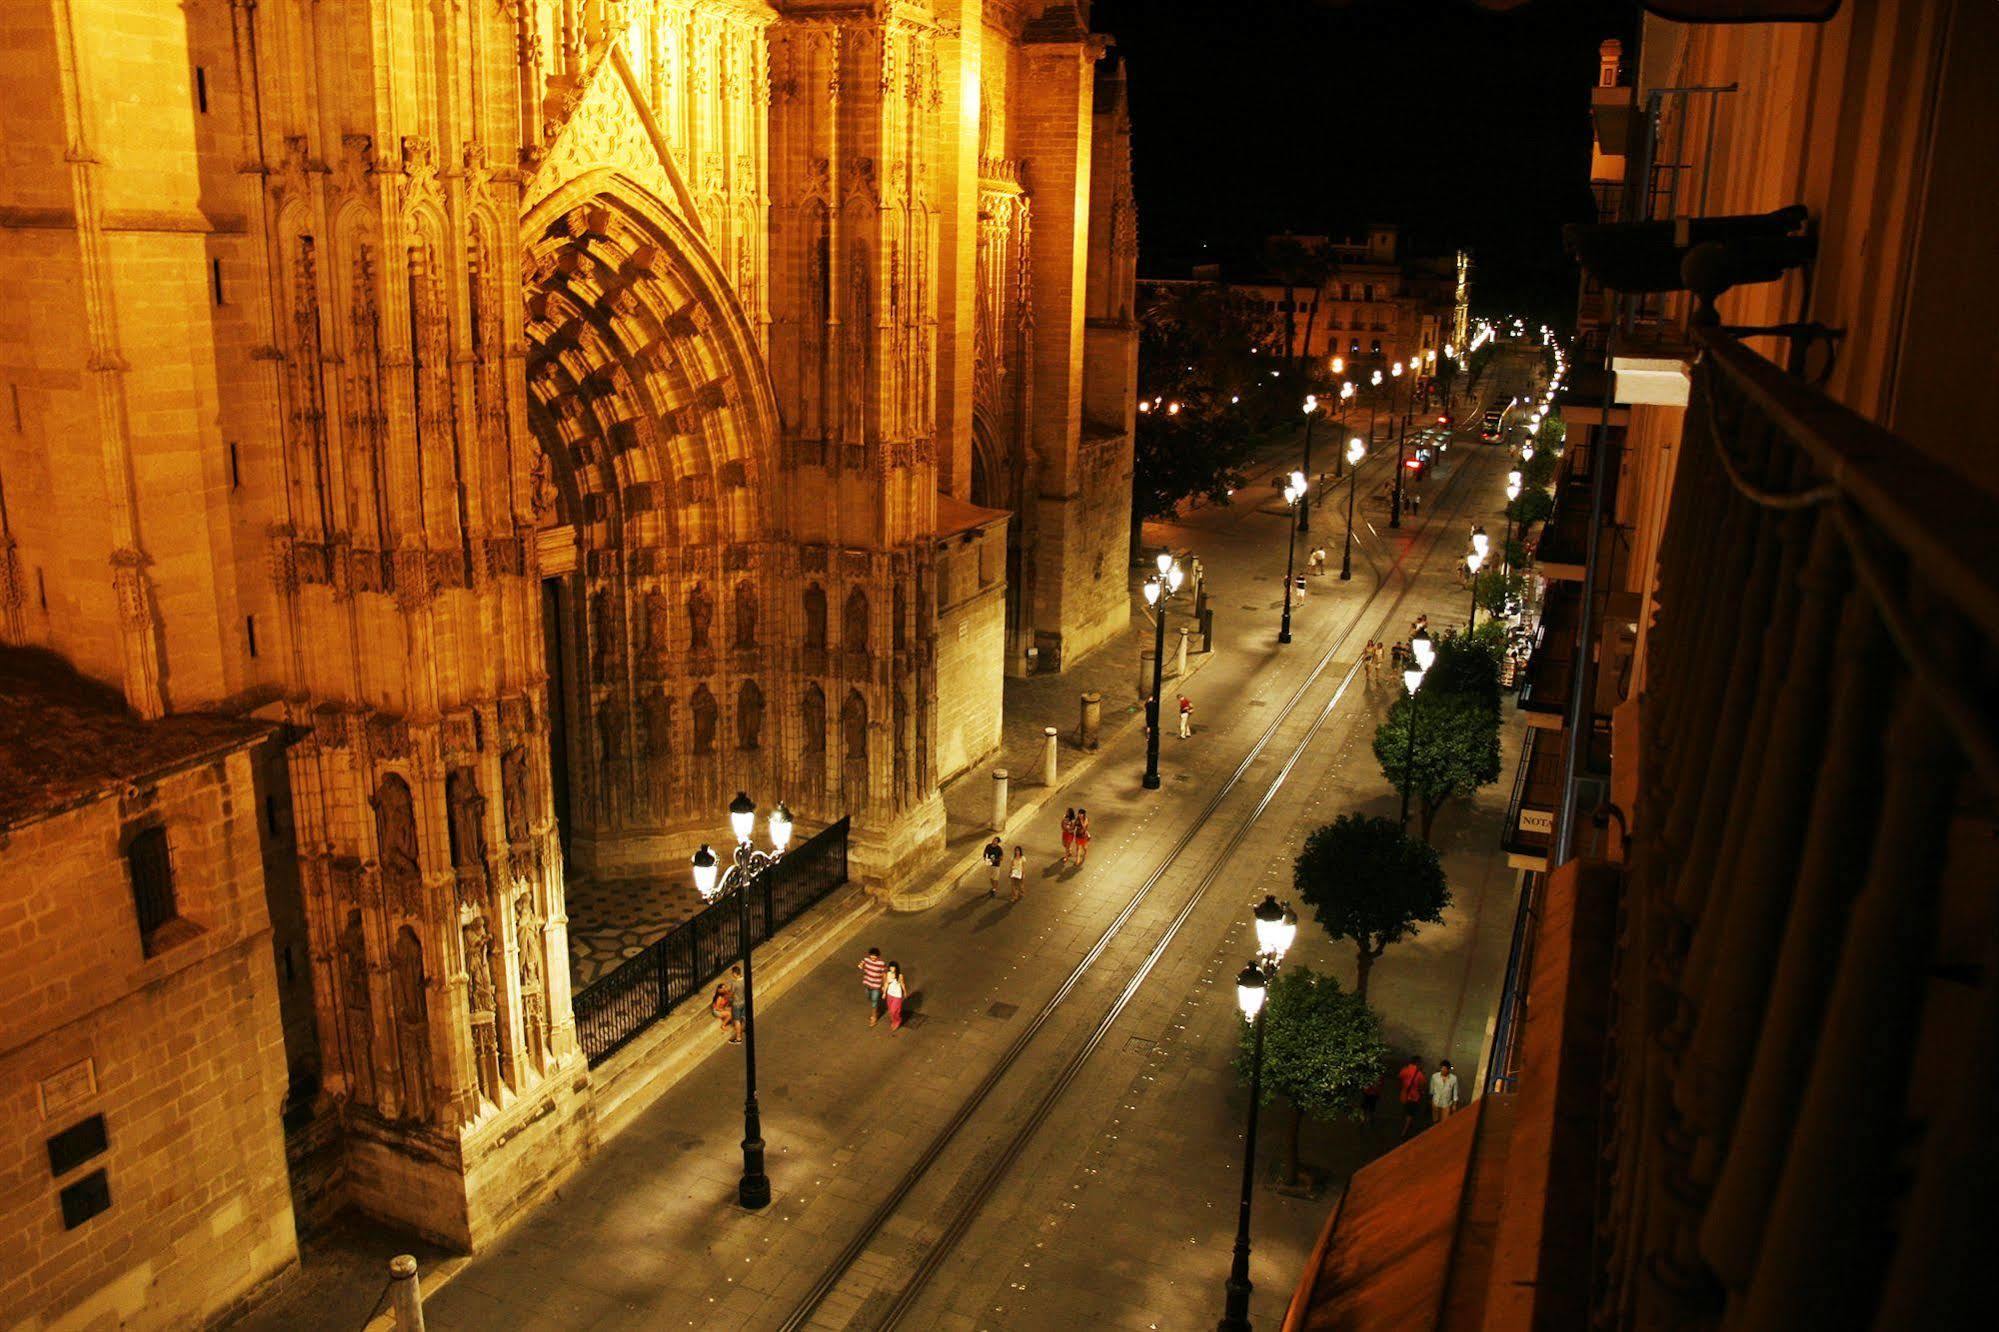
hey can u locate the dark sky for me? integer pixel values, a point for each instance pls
(1464, 125)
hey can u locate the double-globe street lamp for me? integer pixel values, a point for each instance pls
(1512, 495)
(1474, 561)
(711, 881)
(1159, 589)
(1422, 651)
(1346, 397)
(1276, 926)
(1395, 511)
(1355, 452)
(1294, 494)
(1305, 503)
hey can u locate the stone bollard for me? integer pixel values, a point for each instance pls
(1048, 749)
(1092, 720)
(999, 799)
(1207, 631)
(406, 1293)
(1181, 669)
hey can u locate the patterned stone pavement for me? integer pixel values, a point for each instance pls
(612, 920)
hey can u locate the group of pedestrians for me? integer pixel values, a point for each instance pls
(885, 985)
(1411, 1088)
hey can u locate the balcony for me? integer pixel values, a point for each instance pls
(1563, 550)
(1537, 792)
(1550, 673)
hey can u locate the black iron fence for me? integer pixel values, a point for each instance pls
(613, 1009)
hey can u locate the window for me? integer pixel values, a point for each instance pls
(1353, 347)
(1375, 347)
(1367, 292)
(152, 880)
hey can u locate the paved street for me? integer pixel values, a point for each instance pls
(1119, 1209)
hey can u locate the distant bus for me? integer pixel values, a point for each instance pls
(1491, 432)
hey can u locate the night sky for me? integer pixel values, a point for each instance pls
(1464, 125)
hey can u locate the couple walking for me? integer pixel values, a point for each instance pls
(1076, 822)
(884, 982)
(1016, 874)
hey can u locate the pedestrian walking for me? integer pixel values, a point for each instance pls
(1410, 1080)
(1298, 585)
(1017, 873)
(873, 972)
(1443, 1093)
(723, 1006)
(1370, 1097)
(1069, 837)
(995, 855)
(1318, 559)
(1186, 717)
(1367, 662)
(1082, 835)
(894, 988)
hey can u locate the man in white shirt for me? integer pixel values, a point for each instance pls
(1443, 1093)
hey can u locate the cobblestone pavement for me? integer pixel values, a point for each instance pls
(1120, 1209)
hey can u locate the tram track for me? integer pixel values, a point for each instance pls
(887, 1305)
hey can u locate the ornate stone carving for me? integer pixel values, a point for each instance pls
(466, 810)
(656, 724)
(359, 1024)
(482, 1006)
(396, 846)
(705, 713)
(700, 612)
(412, 1005)
(514, 796)
(749, 715)
(746, 615)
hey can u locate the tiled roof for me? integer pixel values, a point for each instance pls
(66, 740)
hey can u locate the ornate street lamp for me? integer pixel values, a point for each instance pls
(1346, 397)
(1356, 450)
(1422, 651)
(1276, 926)
(1474, 561)
(1305, 503)
(1395, 512)
(1294, 494)
(1159, 589)
(711, 881)
(1512, 495)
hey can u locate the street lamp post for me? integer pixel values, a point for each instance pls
(1395, 512)
(1422, 651)
(1276, 926)
(1304, 502)
(1159, 589)
(1346, 396)
(1355, 452)
(1474, 562)
(1373, 400)
(753, 1190)
(1512, 495)
(1294, 493)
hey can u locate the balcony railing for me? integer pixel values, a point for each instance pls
(1544, 686)
(1530, 814)
(1564, 546)
(1807, 957)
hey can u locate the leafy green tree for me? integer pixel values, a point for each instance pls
(1533, 506)
(1467, 665)
(1321, 1046)
(1538, 472)
(1456, 750)
(1496, 589)
(1369, 882)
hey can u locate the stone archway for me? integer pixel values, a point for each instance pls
(651, 402)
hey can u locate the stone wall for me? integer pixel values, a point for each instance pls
(180, 1052)
(971, 636)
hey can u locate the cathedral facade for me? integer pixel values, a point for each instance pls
(555, 415)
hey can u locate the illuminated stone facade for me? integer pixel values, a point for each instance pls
(541, 409)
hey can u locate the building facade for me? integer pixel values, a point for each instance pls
(1722, 1095)
(555, 416)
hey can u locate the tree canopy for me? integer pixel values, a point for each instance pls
(1369, 882)
(1321, 1046)
(1456, 750)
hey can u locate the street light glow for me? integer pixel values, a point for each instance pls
(1355, 450)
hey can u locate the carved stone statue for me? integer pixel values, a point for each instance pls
(746, 615)
(815, 616)
(854, 622)
(534, 1006)
(354, 997)
(412, 1023)
(656, 724)
(812, 724)
(700, 611)
(480, 994)
(610, 730)
(659, 636)
(468, 819)
(749, 715)
(854, 760)
(395, 841)
(704, 720)
(514, 794)
(604, 633)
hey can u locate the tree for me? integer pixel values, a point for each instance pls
(1205, 407)
(1321, 1047)
(1532, 507)
(1456, 750)
(1467, 664)
(1368, 881)
(1498, 591)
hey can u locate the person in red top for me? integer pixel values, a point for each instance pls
(1410, 1080)
(873, 972)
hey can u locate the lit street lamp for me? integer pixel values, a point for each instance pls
(1395, 512)
(1346, 396)
(1355, 452)
(1294, 493)
(1512, 494)
(1311, 416)
(1474, 562)
(1276, 926)
(1159, 589)
(711, 881)
(1422, 651)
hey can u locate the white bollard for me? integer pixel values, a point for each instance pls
(999, 799)
(1181, 669)
(1048, 750)
(406, 1293)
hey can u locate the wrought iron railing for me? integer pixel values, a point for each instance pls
(1807, 941)
(676, 966)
